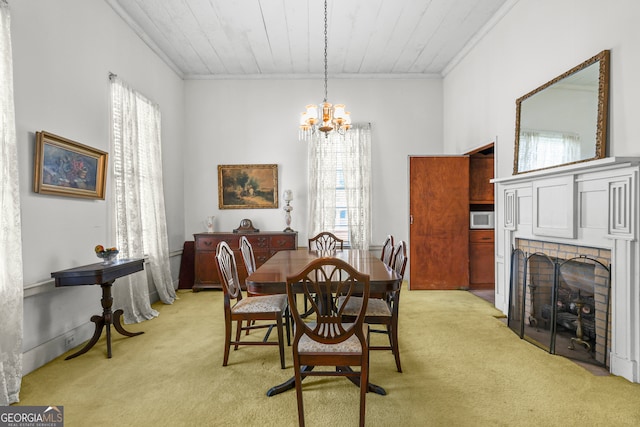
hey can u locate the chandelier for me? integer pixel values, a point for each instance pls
(328, 117)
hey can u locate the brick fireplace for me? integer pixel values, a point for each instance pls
(586, 209)
(564, 294)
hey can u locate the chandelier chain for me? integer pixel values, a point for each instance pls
(327, 117)
(325, 52)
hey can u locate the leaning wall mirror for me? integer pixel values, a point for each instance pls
(565, 120)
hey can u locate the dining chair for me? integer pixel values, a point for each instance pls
(382, 311)
(246, 249)
(236, 308)
(327, 341)
(387, 250)
(325, 241)
(247, 255)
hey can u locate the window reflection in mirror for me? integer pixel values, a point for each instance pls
(564, 121)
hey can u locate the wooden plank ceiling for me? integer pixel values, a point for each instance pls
(285, 38)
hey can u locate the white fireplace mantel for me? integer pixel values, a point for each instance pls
(593, 204)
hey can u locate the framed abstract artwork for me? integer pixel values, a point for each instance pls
(247, 186)
(67, 168)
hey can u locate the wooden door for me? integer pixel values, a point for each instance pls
(439, 209)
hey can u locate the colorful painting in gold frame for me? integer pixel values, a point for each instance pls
(64, 167)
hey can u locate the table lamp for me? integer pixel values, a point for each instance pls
(287, 196)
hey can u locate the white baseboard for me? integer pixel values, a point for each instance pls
(47, 351)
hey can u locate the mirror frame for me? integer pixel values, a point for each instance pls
(603, 106)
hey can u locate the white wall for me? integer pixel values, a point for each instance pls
(255, 121)
(535, 42)
(63, 52)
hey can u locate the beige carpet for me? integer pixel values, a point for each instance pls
(462, 367)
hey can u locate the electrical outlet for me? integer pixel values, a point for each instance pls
(69, 341)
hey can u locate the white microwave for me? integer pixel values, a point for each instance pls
(482, 220)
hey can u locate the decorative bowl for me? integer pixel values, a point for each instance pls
(108, 256)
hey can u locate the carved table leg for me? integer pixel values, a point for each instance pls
(118, 325)
(105, 321)
(356, 380)
(291, 382)
(99, 321)
(287, 385)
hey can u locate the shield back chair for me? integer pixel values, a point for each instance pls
(247, 255)
(383, 311)
(246, 249)
(238, 309)
(326, 341)
(387, 250)
(325, 241)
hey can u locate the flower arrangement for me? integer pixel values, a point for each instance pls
(107, 255)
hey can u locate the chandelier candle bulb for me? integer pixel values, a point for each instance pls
(312, 114)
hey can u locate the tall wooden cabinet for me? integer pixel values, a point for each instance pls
(480, 174)
(481, 198)
(265, 244)
(445, 252)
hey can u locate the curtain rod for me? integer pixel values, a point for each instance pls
(112, 75)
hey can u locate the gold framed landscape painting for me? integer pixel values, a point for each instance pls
(247, 186)
(67, 168)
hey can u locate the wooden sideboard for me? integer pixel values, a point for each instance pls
(265, 244)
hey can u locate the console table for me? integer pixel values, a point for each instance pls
(265, 244)
(103, 275)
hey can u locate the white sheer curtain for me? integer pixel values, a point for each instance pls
(357, 184)
(348, 157)
(140, 222)
(323, 161)
(11, 286)
(541, 149)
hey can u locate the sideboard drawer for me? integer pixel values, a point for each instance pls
(283, 241)
(264, 245)
(207, 243)
(261, 256)
(258, 241)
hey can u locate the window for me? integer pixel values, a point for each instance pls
(340, 186)
(140, 223)
(341, 226)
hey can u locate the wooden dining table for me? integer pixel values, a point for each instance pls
(271, 278)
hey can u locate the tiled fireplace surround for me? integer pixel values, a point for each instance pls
(591, 205)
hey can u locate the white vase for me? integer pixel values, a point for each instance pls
(209, 223)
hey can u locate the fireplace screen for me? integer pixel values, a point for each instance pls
(561, 305)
